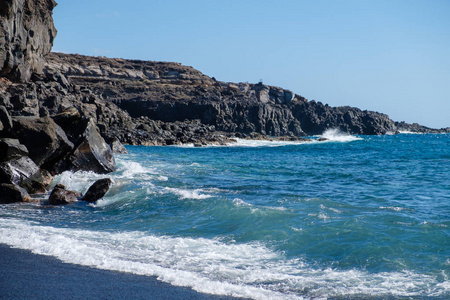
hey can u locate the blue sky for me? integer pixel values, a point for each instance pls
(388, 56)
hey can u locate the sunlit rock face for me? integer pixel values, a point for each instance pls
(26, 35)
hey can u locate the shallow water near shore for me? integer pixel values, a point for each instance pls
(364, 216)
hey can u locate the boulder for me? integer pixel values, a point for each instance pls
(117, 147)
(45, 140)
(26, 35)
(60, 195)
(67, 117)
(24, 173)
(10, 193)
(11, 149)
(97, 190)
(93, 153)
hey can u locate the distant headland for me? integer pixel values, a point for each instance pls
(63, 112)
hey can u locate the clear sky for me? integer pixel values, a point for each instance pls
(391, 56)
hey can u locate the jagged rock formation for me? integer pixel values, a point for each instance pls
(162, 97)
(26, 35)
(35, 106)
(57, 111)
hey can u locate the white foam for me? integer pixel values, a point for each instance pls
(335, 135)
(263, 143)
(79, 181)
(210, 266)
(187, 194)
(395, 208)
(409, 132)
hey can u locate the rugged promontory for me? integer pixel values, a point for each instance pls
(63, 112)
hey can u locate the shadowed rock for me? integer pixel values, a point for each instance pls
(5, 120)
(24, 173)
(11, 149)
(45, 140)
(93, 153)
(61, 196)
(97, 190)
(117, 147)
(67, 117)
(10, 193)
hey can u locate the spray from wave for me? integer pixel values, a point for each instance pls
(335, 135)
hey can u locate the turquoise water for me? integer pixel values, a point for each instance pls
(364, 216)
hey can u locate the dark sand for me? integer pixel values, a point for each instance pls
(24, 275)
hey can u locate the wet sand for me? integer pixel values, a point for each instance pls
(24, 275)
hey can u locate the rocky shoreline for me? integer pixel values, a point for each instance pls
(62, 112)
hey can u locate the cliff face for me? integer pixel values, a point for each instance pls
(26, 35)
(171, 92)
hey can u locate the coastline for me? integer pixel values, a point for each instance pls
(25, 275)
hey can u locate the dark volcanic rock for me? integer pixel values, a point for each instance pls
(11, 149)
(10, 193)
(97, 190)
(46, 142)
(61, 196)
(316, 117)
(117, 147)
(162, 96)
(67, 117)
(24, 173)
(5, 120)
(26, 35)
(92, 153)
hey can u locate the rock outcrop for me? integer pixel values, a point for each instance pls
(58, 110)
(47, 125)
(26, 35)
(169, 103)
(47, 142)
(92, 152)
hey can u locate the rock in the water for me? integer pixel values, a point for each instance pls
(26, 35)
(24, 173)
(11, 149)
(10, 193)
(60, 195)
(45, 140)
(97, 190)
(93, 153)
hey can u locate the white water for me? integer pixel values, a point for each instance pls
(335, 135)
(209, 266)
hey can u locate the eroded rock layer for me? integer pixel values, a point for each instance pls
(26, 35)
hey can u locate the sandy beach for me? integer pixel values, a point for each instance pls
(24, 275)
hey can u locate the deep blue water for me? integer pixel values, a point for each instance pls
(363, 216)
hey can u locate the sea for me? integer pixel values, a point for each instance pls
(352, 217)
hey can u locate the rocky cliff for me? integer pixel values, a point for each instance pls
(26, 35)
(63, 112)
(42, 132)
(158, 94)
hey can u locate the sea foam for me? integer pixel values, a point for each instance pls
(211, 266)
(335, 135)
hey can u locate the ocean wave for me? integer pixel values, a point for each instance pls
(187, 194)
(409, 132)
(335, 135)
(243, 270)
(263, 143)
